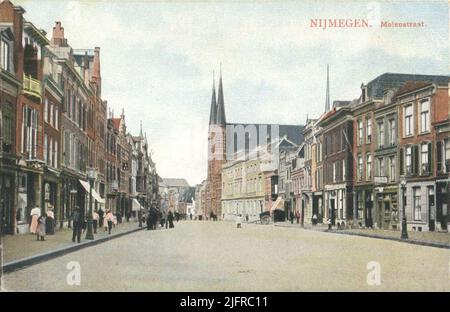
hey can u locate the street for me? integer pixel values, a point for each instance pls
(216, 256)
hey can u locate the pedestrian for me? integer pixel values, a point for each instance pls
(114, 220)
(314, 219)
(246, 218)
(109, 220)
(101, 214)
(170, 219)
(239, 221)
(190, 215)
(77, 220)
(95, 218)
(149, 221)
(35, 214)
(50, 221)
(297, 216)
(291, 217)
(41, 227)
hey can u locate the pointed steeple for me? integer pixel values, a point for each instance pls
(221, 120)
(327, 98)
(213, 111)
(140, 132)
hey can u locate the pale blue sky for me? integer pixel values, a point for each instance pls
(158, 57)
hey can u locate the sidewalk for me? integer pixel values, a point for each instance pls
(22, 246)
(433, 239)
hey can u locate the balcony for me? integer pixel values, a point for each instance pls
(32, 86)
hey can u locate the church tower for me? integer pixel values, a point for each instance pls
(216, 151)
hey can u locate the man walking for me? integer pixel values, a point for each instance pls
(77, 224)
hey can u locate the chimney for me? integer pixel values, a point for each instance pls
(96, 77)
(58, 35)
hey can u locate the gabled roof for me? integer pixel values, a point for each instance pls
(175, 182)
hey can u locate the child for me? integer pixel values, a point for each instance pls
(41, 227)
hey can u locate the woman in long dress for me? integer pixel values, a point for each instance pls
(50, 221)
(35, 214)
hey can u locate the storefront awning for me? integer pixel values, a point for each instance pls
(96, 195)
(136, 205)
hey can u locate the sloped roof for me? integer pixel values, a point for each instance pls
(410, 86)
(377, 86)
(175, 182)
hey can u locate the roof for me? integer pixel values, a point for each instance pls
(376, 87)
(175, 182)
(293, 133)
(116, 123)
(410, 86)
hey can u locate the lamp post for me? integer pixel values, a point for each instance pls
(92, 174)
(404, 224)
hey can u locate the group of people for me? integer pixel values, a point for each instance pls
(153, 216)
(107, 220)
(42, 224)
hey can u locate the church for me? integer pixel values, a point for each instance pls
(230, 141)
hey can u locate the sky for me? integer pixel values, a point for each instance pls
(158, 58)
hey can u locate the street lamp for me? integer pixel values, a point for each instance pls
(91, 175)
(404, 225)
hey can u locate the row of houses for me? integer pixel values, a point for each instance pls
(55, 126)
(356, 165)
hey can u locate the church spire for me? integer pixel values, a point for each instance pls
(213, 112)
(221, 120)
(327, 98)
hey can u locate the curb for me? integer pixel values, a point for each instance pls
(408, 241)
(28, 261)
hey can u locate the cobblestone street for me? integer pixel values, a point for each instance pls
(215, 256)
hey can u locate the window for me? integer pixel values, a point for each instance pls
(46, 110)
(408, 158)
(381, 172)
(380, 134)
(51, 114)
(392, 132)
(424, 158)
(360, 167)
(45, 148)
(425, 116)
(29, 131)
(334, 172)
(368, 130)
(7, 130)
(344, 174)
(5, 55)
(416, 204)
(368, 167)
(56, 118)
(360, 132)
(409, 120)
(392, 168)
(55, 158)
(50, 152)
(447, 155)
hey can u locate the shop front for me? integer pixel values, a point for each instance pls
(441, 210)
(364, 206)
(387, 214)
